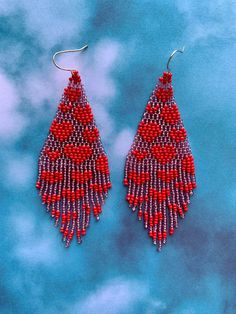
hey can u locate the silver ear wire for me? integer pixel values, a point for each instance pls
(66, 51)
(171, 56)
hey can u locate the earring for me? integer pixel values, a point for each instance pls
(159, 170)
(73, 174)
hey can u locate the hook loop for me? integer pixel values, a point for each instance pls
(66, 51)
(172, 55)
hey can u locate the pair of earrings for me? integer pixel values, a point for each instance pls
(74, 179)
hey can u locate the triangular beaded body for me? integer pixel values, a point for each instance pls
(159, 170)
(73, 178)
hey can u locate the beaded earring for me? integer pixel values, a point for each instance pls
(159, 170)
(73, 174)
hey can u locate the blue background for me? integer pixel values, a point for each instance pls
(116, 270)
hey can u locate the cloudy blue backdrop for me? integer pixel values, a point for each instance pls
(116, 270)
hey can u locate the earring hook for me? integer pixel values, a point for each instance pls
(172, 55)
(66, 51)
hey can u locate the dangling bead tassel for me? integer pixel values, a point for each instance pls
(159, 170)
(73, 176)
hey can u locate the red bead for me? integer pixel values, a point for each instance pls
(171, 231)
(140, 214)
(125, 182)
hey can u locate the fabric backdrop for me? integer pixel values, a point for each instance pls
(117, 270)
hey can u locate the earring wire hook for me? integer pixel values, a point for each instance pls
(172, 55)
(66, 51)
